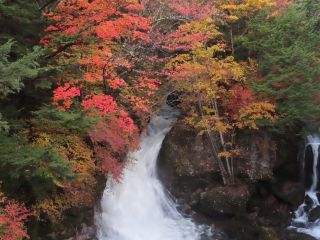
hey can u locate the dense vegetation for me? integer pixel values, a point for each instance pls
(80, 79)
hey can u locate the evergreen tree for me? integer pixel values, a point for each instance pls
(287, 49)
(32, 167)
(13, 72)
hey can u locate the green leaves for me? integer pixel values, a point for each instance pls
(4, 127)
(287, 48)
(77, 122)
(38, 167)
(13, 72)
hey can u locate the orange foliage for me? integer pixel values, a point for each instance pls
(12, 218)
(105, 46)
(78, 192)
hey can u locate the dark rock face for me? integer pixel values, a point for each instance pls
(314, 214)
(188, 153)
(291, 235)
(185, 164)
(289, 192)
(272, 213)
(260, 156)
(228, 200)
(257, 207)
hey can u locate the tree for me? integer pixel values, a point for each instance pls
(36, 168)
(13, 72)
(209, 80)
(286, 47)
(106, 51)
(12, 218)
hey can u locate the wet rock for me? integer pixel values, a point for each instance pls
(291, 193)
(292, 235)
(196, 197)
(314, 214)
(273, 213)
(260, 158)
(173, 99)
(185, 164)
(244, 230)
(309, 203)
(188, 153)
(227, 200)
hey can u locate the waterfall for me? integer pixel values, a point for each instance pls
(138, 207)
(302, 221)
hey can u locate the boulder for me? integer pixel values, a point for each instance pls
(224, 200)
(186, 165)
(187, 153)
(292, 235)
(289, 192)
(259, 159)
(240, 229)
(272, 212)
(314, 214)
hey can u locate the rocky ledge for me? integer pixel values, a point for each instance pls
(258, 206)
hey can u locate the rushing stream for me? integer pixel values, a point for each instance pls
(303, 220)
(139, 208)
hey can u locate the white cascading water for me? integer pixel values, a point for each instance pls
(301, 221)
(138, 208)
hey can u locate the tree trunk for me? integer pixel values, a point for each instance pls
(223, 144)
(232, 42)
(215, 151)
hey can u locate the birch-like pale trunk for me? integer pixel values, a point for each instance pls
(223, 143)
(215, 150)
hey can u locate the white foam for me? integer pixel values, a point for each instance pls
(138, 207)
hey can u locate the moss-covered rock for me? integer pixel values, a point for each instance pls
(224, 200)
(188, 153)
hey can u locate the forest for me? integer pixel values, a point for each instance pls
(80, 80)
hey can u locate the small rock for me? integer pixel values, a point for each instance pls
(289, 192)
(314, 214)
(291, 235)
(225, 200)
(309, 203)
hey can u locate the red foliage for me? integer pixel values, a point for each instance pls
(194, 10)
(280, 5)
(112, 142)
(119, 33)
(105, 104)
(107, 19)
(109, 163)
(126, 123)
(64, 95)
(116, 83)
(185, 37)
(240, 97)
(12, 217)
(111, 55)
(105, 134)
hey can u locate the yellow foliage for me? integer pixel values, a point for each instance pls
(2, 198)
(250, 114)
(245, 8)
(78, 192)
(43, 139)
(52, 207)
(230, 154)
